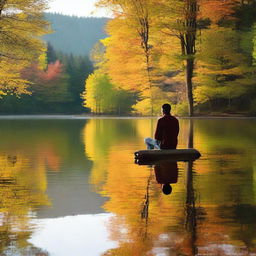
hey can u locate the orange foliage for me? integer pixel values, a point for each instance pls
(147, 222)
(34, 73)
(217, 10)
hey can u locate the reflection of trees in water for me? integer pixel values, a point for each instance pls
(190, 206)
(243, 217)
(28, 149)
(22, 191)
(28, 251)
(145, 204)
(230, 221)
(137, 200)
(190, 203)
(244, 214)
(190, 209)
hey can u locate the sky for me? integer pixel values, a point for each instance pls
(84, 8)
(77, 235)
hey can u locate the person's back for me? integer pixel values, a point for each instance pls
(167, 129)
(167, 132)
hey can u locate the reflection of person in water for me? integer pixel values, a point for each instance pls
(166, 173)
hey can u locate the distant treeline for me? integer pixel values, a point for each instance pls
(55, 88)
(45, 76)
(75, 35)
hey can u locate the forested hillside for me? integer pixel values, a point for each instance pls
(76, 35)
(51, 81)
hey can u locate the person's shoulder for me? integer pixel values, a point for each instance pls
(170, 117)
(160, 119)
(173, 117)
(167, 117)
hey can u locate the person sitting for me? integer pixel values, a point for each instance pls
(167, 130)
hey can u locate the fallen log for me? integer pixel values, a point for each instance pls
(189, 154)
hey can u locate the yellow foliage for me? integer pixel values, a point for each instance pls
(143, 218)
(21, 26)
(126, 62)
(177, 31)
(10, 79)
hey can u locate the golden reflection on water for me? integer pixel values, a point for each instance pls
(206, 213)
(22, 191)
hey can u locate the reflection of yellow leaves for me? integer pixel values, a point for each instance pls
(125, 184)
(94, 149)
(16, 172)
(145, 128)
(22, 191)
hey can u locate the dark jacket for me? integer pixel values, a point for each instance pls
(167, 131)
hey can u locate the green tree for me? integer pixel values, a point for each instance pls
(101, 96)
(98, 93)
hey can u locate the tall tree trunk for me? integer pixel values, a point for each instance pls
(190, 208)
(189, 43)
(191, 134)
(189, 84)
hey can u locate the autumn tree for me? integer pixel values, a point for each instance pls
(223, 72)
(174, 19)
(57, 78)
(186, 21)
(153, 45)
(21, 25)
(77, 69)
(187, 35)
(49, 86)
(102, 96)
(225, 69)
(98, 93)
(130, 62)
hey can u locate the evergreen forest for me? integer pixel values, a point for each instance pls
(74, 35)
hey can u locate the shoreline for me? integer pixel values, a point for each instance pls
(85, 117)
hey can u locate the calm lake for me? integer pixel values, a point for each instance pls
(70, 187)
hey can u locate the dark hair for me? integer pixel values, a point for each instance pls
(166, 108)
(167, 189)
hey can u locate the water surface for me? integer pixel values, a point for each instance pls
(71, 187)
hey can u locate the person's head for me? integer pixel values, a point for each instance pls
(167, 189)
(166, 109)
